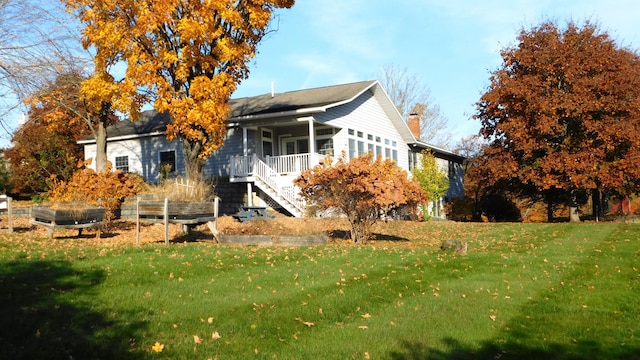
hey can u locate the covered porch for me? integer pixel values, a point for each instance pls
(274, 154)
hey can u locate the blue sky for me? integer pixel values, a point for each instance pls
(451, 45)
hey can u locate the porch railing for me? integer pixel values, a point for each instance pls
(243, 166)
(288, 164)
(267, 175)
(272, 172)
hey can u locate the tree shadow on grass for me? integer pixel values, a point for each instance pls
(584, 350)
(43, 317)
(346, 235)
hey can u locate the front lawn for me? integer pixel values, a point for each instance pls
(524, 291)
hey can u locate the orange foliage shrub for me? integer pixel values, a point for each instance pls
(104, 189)
(361, 189)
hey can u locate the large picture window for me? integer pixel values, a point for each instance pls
(372, 144)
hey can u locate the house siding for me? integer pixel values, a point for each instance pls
(218, 165)
(143, 154)
(365, 115)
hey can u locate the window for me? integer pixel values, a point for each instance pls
(267, 143)
(324, 131)
(168, 159)
(352, 149)
(122, 163)
(324, 146)
(372, 144)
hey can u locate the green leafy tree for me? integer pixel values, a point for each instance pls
(361, 189)
(431, 177)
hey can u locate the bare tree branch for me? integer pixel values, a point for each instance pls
(39, 41)
(411, 96)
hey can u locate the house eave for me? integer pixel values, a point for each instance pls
(248, 119)
(447, 153)
(120, 138)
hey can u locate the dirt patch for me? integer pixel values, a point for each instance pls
(123, 232)
(280, 225)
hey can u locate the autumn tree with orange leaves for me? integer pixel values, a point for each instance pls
(187, 56)
(45, 146)
(361, 189)
(562, 115)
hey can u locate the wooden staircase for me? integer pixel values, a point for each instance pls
(277, 187)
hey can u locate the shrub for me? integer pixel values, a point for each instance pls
(104, 189)
(361, 189)
(182, 190)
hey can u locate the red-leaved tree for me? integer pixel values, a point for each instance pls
(361, 189)
(562, 115)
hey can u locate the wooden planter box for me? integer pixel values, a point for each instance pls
(51, 218)
(183, 213)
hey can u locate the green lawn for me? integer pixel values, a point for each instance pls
(524, 291)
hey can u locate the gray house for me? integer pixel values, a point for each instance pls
(271, 138)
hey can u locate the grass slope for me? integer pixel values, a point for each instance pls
(524, 291)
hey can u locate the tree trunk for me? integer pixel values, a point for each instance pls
(549, 211)
(194, 165)
(574, 216)
(573, 207)
(596, 203)
(101, 138)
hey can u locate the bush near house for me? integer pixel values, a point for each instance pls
(105, 189)
(361, 189)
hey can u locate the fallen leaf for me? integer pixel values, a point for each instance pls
(196, 339)
(210, 320)
(215, 335)
(157, 347)
(307, 323)
(363, 327)
(365, 316)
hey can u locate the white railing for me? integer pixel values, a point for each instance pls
(271, 171)
(290, 164)
(242, 166)
(270, 177)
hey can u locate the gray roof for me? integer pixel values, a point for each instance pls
(296, 100)
(152, 122)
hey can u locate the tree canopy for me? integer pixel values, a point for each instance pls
(562, 113)
(432, 179)
(187, 55)
(45, 145)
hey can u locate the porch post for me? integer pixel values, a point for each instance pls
(312, 139)
(249, 194)
(312, 144)
(245, 150)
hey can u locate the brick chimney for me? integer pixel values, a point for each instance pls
(413, 121)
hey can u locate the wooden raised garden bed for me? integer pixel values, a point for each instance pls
(79, 218)
(186, 214)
